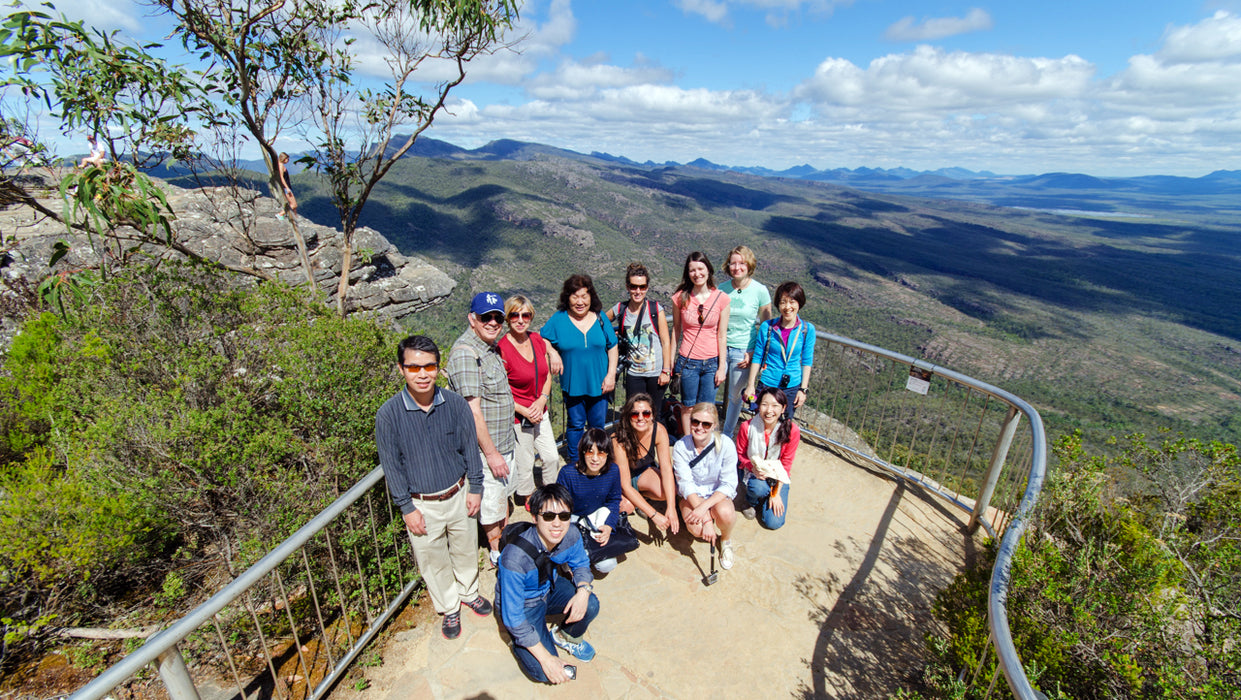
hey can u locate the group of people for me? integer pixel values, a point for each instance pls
(470, 449)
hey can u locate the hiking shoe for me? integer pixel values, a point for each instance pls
(582, 651)
(452, 625)
(726, 555)
(480, 605)
(749, 513)
(280, 216)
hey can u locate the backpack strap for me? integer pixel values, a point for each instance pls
(705, 451)
(542, 560)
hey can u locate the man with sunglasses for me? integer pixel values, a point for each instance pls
(476, 371)
(429, 454)
(530, 588)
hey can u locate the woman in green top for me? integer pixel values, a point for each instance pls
(749, 304)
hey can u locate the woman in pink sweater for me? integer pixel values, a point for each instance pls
(766, 446)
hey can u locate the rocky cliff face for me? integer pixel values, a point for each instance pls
(239, 228)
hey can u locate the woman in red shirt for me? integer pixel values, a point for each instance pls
(528, 362)
(766, 446)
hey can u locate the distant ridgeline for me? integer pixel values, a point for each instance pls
(1110, 302)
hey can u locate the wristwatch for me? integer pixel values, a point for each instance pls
(589, 588)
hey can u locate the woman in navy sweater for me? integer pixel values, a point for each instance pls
(595, 486)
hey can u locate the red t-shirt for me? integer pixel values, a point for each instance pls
(521, 375)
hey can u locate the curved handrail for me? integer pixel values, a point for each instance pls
(1001, 635)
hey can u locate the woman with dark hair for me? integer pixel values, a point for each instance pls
(766, 446)
(643, 455)
(587, 346)
(528, 362)
(700, 323)
(644, 343)
(596, 488)
(784, 350)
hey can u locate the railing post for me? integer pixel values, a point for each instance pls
(998, 456)
(176, 676)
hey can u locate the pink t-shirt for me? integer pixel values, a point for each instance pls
(701, 342)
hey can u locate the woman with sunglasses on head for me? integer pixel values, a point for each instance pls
(596, 488)
(699, 322)
(587, 346)
(705, 463)
(749, 303)
(766, 447)
(528, 361)
(646, 353)
(784, 350)
(644, 459)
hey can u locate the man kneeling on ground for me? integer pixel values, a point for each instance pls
(530, 587)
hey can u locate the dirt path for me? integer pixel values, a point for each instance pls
(832, 605)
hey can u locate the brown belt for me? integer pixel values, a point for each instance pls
(442, 496)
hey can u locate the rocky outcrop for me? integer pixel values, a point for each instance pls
(239, 228)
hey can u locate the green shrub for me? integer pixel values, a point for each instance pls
(1116, 593)
(174, 415)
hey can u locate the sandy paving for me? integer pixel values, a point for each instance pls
(832, 605)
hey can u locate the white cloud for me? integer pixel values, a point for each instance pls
(930, 79)
(102, 14)
(574, 80)
(777, 11)
(1217, 38)
(931, 29)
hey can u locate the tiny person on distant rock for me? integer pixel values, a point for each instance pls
(97, 153)
(530, 587)
(289, 200)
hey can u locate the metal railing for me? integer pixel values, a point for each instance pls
(954, 436)
(293, 622)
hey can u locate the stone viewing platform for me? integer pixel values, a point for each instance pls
(834, 604)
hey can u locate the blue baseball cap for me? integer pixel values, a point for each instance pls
(485, 302)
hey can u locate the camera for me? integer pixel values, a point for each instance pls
(784, 382)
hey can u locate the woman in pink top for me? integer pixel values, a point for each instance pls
(700, 325)
(527, 360)
(766, 446)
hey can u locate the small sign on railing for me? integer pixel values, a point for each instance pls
(919, 380)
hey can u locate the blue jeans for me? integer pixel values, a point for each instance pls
(737, 377)
(757, 492)
(697, 380)
(558, 597)
(582, 411)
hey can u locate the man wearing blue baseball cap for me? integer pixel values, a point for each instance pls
(476, 371)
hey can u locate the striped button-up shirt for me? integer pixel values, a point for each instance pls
(426, 451)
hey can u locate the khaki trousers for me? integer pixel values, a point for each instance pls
(447, 555)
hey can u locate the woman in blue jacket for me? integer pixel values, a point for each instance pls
(784, 350)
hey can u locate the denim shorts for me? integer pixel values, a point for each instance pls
(697, 379)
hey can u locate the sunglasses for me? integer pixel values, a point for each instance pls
(549, 516)
(638, 287)
(694, 422)
(702, 315)
(496, 317)
(415, 369)
(520, 316)
(640, 413)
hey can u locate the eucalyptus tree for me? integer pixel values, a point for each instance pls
(274, 63)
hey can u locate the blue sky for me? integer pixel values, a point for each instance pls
(1101, 87)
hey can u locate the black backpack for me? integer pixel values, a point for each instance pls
(542, 559)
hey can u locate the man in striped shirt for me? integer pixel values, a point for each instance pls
(429, 454)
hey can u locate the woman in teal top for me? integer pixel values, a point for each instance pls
(749, 304)
(587, 346)
(784, 350)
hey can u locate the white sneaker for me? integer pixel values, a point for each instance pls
(494, 556)
(726, 555)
